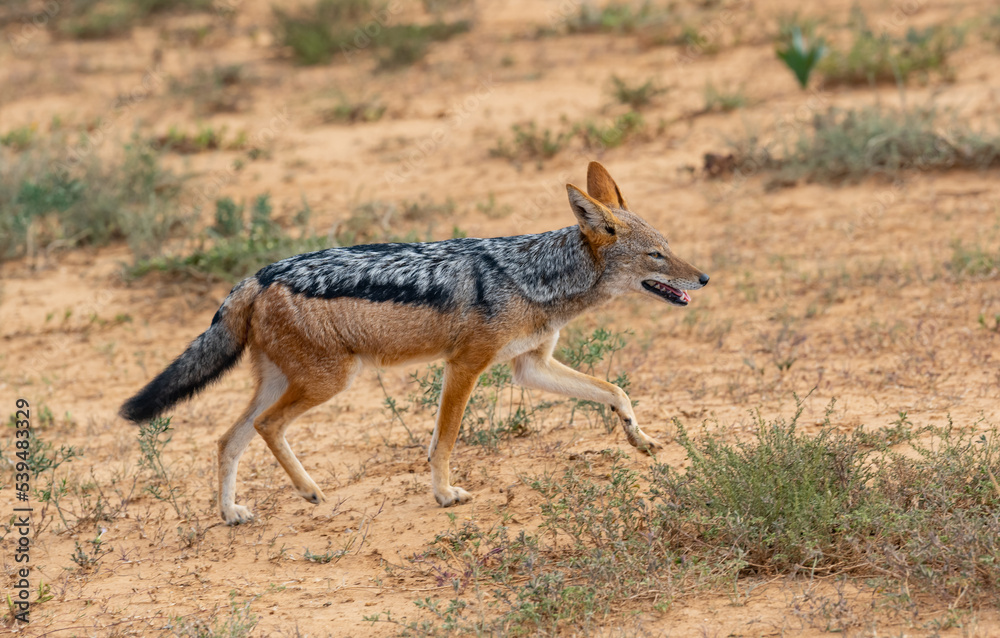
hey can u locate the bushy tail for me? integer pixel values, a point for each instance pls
(208, 357)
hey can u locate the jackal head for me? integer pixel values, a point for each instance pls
(634, 255)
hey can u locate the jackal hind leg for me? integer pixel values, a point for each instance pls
(297, 399)
(271, 384)
(538, 370)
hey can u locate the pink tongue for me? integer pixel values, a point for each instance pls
(685, 296)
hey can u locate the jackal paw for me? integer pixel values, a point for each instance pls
(452, 495)
(312, 494)
(647, 444)
(236, 514)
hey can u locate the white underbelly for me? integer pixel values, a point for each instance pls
(521, 345)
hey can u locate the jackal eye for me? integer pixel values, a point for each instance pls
(655, 255)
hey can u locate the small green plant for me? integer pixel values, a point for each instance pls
(369, 222)
(261, 224)
(18, 139)
(638, 96)
(43, 457)
(992, 29)
(497, 409)
(205, 139)
(228, 217)
(42, 419)
(346, 111)
(239, 623)
(530, 143)
(324, 558)
(799, 58)
(492, 209)
(406, 44)
(973, 261)
(154, 436)
(425, 209)
(721, 101)
(613, 17)
(86, 559)
(620, 130)
(985, 324)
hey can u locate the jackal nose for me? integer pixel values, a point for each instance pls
(703, 279)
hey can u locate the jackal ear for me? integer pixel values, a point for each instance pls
(596, 221)
(603, 188)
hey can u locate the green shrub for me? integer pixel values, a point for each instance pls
(318, 33)
(18, 139)
(973, 261)
(782, 502)
(879, 58)
(611, 18)
(228, 217)
(100, 19)
(49, 201)
(233, 250)
(612, 135)
(330, 27)
(851, 144)
(406, 44)
(530, 143)
(635, 97)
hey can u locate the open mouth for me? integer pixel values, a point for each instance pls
(673, 295)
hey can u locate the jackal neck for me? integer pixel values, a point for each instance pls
(556, 267)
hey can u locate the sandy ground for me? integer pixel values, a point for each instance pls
(849, 282)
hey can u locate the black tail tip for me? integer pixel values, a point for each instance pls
(135, 412)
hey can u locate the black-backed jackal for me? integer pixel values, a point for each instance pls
(310, 322)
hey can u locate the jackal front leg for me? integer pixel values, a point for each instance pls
(459, 381)
(537, 369)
